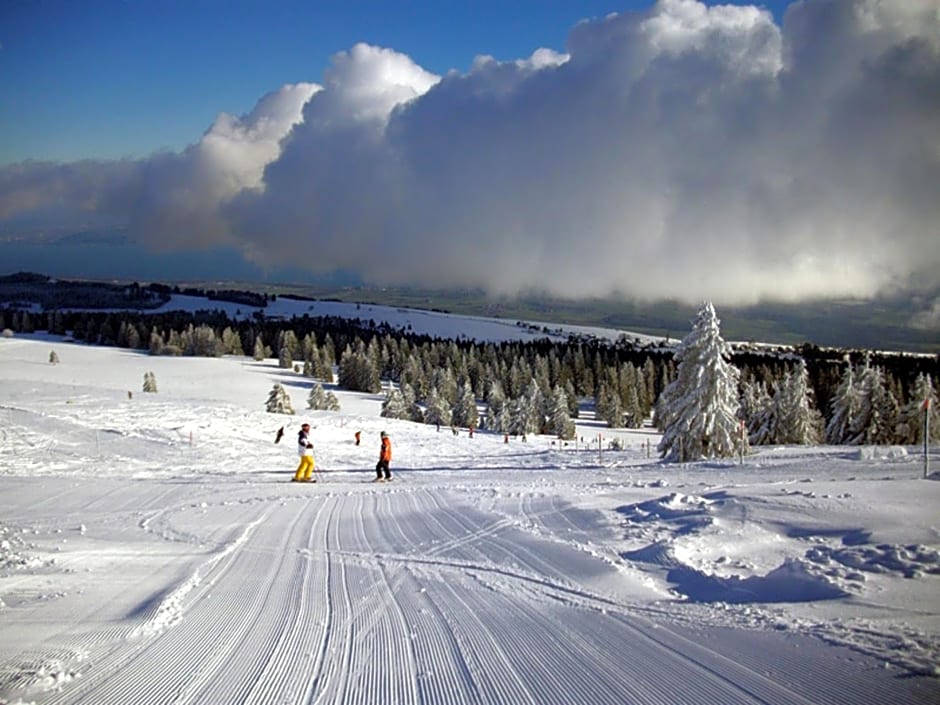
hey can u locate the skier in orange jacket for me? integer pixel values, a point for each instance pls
(385, 457)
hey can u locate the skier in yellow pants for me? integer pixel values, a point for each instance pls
(304, 471)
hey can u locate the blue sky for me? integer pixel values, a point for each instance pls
(113, 78)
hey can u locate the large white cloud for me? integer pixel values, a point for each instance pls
(686, 151)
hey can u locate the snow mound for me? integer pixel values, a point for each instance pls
(791, 582)
(882, 453)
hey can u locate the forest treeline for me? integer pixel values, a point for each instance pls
(534, 386)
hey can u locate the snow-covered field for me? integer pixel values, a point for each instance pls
(153, 550)
(421, 322)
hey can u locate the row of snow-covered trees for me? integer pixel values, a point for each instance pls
(865, 409)
(791, 396)
(706, 411)
(318, 399)
(533, 412)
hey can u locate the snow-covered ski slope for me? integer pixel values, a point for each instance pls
(154, 551)
(435, 324)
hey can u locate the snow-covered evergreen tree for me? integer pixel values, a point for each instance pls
(608, 406)
(444, 381)
(495, 402)
(757, 412)
(465, 408)
(150, 382)
(204, 342)
(285, 360)
(394, 405)
(880, 411)
(359, 371)
(331, 403)
(797, 421)
(911, 423)
(156, 342)
(437, 410)
(411, 403)
(309, 349)
(526, 412)
(279, 401)
(502, 423)
(845, 409)
(288, 339)
(260, 352)
(560, 422)
(700, 406)
(323, 366)
(53, 358)
(316, 399)
(231, 342)
(321, 400)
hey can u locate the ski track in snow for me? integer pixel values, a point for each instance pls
(319, 601)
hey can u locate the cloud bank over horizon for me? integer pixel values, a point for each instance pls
(685, 152)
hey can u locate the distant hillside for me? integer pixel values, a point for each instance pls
(883, 324)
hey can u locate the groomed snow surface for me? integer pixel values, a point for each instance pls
(153, 550)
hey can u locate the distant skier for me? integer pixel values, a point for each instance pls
(304, 471)
(358, 436)
(385, 457)
(280, 435)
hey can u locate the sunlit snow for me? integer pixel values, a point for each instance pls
(153, 550)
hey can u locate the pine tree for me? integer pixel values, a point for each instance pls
(331, 403)
(845, 408)
(288, 339)
(444, 381)
(911, 417)
(260, 352)
(53, 358)
(756, 411)
(358, 371)
(204, 341)
(150, 382)
(156, 342)
(284, 358)
(699, 411)
(797, 420)
(309, 347)
(323, 367)
(437, 410)
(231, 342)
(133, 337)
(632, 410)
(495, 401)
(880, 410)
(560, 423)
(609, 406)
(411, 403)
(279, 401)
(465, 408)
(394, 406)
(526, 412)
(502, 422)
(316, 399)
